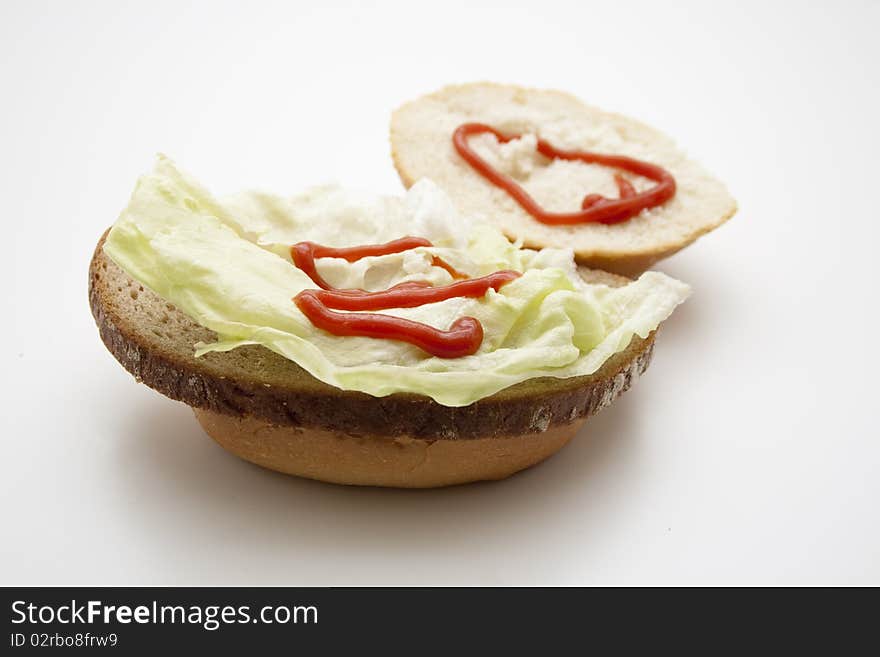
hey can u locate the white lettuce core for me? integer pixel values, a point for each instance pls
(226, 264)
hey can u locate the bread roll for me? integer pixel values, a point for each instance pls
(421, 144)
(268, 410)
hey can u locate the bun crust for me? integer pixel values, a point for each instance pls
(377, 460)
(421, 147)
(268, 410)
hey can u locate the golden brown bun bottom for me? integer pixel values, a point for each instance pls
(374, 460)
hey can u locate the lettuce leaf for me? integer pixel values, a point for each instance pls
(226, 264)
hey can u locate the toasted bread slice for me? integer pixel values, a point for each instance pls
(421, 147)
(270, 411)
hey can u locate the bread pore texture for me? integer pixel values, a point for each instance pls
(422, 147)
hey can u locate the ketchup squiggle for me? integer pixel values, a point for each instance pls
(594, 207)
(463, 337)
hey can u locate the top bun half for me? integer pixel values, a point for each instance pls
(421, 143)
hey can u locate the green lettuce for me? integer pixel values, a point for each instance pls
(226, 264)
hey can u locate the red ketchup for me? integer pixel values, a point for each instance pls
(463, 338)
(594, 207)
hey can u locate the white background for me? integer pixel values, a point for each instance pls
(748, 454)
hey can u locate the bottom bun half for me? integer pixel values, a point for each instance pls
(373, 460)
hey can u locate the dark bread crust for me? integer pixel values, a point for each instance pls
(154, 342)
